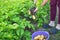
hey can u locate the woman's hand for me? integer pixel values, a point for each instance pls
(35, 9)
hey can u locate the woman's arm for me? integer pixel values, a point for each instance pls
(44, 2)
(35, 1)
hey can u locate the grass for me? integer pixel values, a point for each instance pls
(55, 36)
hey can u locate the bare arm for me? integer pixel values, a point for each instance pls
(44, 2)
(35, 1)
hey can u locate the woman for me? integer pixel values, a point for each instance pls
(53, 10)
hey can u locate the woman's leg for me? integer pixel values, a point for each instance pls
(53, 9)
(59, 12)
(58, 25)
(53, 14)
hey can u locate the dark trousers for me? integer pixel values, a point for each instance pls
(53, 10)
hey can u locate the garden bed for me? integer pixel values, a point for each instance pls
(15, 21)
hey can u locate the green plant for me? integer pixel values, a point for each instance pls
(14, 18)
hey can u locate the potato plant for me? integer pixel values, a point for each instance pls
(14, 18)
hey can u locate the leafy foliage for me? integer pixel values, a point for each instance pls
(14, 18)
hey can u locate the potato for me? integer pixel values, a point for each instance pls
(44, 39)
(37, 37)
(40, 37)
(34, 17)
(29, 12)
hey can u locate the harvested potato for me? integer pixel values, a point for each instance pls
(34, 17)
(29, 12)
(37, 37)
(44, 39)
(40, 37)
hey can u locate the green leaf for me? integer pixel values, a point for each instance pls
(22, 32)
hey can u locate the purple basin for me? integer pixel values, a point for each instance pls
(45, 33)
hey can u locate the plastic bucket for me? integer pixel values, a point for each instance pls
(45, 33)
